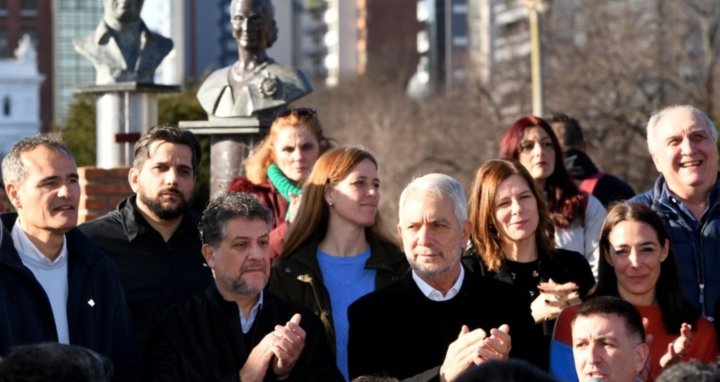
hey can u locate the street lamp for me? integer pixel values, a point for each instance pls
(535, 7)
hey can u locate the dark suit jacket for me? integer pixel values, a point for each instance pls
(201, 340)
(97, 314)
(399, 332)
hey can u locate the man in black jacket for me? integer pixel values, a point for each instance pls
(152, 237)
(411, 327)
(235, 330)
(54, 285)
(605, 187)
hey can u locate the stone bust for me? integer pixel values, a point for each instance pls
(122, 48)
(255, 83)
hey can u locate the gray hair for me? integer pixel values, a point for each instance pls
(438, 185)
(228, 206)
(658, 115)
(13, 169)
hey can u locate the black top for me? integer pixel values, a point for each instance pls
(154, 274)
(562, 267)
(397, 331)
(97, 315)
(202, 340)
(608, 189)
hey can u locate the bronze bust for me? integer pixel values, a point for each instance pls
(122, 48)
(255, 83)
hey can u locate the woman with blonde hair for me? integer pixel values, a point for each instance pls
(274, 172)
(335, 250)
(513, 235)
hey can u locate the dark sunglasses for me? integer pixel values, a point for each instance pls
(299, 111)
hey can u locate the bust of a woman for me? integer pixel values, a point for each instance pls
(255, 82)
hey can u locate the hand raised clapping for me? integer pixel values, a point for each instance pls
(280, 348)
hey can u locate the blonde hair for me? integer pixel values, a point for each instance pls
(257, 163)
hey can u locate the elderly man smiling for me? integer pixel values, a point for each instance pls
(682, 142)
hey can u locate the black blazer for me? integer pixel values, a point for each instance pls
(397, 331)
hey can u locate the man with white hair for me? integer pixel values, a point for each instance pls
(411, 327)
(682, 141)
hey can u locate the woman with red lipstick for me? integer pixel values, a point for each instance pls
(577, 216)
(513, 235)
(280, 163)
(335, 250)
(637, 264)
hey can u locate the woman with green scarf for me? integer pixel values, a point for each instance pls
(276, 169)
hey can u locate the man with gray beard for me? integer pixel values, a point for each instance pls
(234, 330)
(152, 237)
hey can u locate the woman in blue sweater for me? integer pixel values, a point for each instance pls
(335, 250)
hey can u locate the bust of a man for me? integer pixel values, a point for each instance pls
(255, 83)
(122, 48)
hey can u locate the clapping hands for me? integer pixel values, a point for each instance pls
(475, 347)
(553, 298)
(280, 349)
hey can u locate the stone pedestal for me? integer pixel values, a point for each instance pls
(124, 111)
(231, 140)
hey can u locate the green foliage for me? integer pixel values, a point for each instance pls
(79, 131)
(182, 106)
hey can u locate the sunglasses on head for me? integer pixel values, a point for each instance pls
(299, 111)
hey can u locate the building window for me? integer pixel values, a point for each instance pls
(28, 8)
(4, 43)
(6, 107)
(3, 8)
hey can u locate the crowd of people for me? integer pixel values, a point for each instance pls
(540, 272)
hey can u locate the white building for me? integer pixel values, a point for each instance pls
(19, 95)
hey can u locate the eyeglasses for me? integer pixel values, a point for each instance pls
(527, 146)
(306, 112)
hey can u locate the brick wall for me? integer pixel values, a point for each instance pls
(101, 190)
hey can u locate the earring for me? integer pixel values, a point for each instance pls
(330, 203)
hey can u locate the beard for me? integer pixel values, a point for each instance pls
(236, 285)
(165, 212)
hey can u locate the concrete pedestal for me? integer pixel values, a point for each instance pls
(124, 111)
(231, 141)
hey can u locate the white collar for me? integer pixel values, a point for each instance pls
(434, 294)
(27, 248)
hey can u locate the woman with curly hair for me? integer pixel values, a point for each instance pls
(274, 172)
